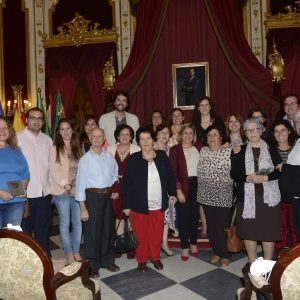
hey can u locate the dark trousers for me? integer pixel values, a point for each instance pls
(296, 217)
(217, 219)
(188, 216)
(39, 220)
(99, 231)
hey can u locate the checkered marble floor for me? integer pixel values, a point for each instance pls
(189, 280)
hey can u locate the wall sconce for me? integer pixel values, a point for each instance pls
(276, 64)
(109, 74)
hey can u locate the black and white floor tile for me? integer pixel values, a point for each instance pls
(189, 280)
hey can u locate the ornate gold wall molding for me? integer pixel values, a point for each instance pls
(290, 19)
(125, 23)
(80, 31)
(253, 16)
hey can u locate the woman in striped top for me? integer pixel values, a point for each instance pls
(284, 139)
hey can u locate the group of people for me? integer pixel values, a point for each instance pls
(118, 175)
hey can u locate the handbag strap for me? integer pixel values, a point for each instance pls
(118, 225)
(233, 216)
(125, 220)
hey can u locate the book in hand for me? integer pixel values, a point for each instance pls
(16, 188)
(264, 171)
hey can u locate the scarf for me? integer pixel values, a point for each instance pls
(271, 189)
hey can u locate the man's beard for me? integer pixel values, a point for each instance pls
(120, 110)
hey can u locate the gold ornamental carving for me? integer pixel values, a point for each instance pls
(276, 64)
(290, 19)
(80, 32)
(109, 74)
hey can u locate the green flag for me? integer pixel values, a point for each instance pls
(59, 111)
(1, 110)
(41, 106)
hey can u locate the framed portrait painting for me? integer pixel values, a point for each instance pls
(190, 83)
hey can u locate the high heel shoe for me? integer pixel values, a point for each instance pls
(195, 254)
(194, 250)
(183, 256)
(131, 254)
(167, 250)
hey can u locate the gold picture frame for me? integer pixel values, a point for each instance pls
(190, 83)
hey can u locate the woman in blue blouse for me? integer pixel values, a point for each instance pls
(13, 167)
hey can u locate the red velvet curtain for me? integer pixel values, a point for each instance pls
(229, 32)
(65, 66)
(188, 36)
(149, 23)
(98, 94)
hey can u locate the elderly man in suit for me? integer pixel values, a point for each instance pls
(110, 121)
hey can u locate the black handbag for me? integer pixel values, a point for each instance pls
(125, 242)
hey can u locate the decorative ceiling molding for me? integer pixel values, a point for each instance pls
(80, 32)
(291, 19)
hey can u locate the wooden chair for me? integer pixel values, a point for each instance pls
(26, 272)
(284, 283)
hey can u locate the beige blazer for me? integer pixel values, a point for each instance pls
(58, 172)
(108, 123)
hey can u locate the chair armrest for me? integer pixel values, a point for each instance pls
(73, 271)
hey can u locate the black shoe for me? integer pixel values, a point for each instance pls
(142, 267)
(113, 268)
(94, 274)
(158, 265)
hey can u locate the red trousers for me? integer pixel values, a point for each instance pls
(287, 219)
(148, 230)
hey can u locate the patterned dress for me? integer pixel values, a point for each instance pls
(214, 181)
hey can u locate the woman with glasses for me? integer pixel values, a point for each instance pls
(89, 124)
(254, 169)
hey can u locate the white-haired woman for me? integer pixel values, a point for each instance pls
(258, 216)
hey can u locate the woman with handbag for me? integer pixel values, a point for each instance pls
(258, 215)
(64, 157)
(215, 191)
(148, 186)
(121, 151)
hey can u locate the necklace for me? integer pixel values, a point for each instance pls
(122, 154)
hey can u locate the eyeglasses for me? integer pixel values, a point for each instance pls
(39, 119)
(251, 130)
